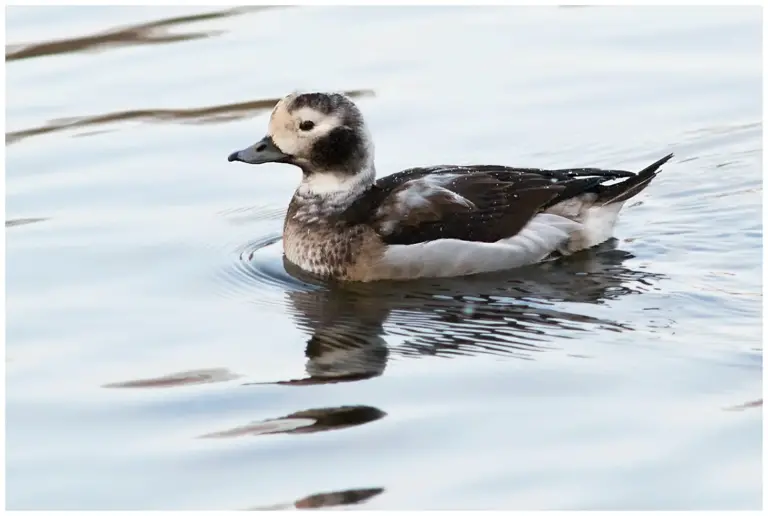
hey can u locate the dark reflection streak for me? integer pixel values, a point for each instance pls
(203, 115)
(332, 499)
(20, 222)
(305, 422)
(151, 33)
(749, 404)
(178, 379)
(351, 377)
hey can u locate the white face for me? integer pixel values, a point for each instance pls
(295, 133)
(324, 135)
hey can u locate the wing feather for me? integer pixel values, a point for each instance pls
(464, 206)
(481, 203)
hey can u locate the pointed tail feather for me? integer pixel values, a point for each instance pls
(628, 188)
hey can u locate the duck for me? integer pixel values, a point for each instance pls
(345, 224)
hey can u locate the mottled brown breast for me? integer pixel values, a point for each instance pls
(330, 247)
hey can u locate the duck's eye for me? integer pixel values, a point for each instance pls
(306, 125)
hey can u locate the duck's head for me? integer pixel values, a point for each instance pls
(324, 134)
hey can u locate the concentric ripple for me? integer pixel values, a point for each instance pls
(254, 271)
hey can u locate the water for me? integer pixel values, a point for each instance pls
(160, 355)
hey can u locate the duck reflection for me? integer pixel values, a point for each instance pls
(354, 329)
(346, 341)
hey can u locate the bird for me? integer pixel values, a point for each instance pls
(345, 225)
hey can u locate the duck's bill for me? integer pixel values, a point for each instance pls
(263, 151)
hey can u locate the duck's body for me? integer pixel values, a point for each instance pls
(426, 222)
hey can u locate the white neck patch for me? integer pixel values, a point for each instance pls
(333, 183)
(323, 194)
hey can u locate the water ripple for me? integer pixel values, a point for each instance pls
(254, 272)
(151, 33)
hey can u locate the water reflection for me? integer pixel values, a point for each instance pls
(151, 33)
(346, 330)
(514, 314)
(353, 330)
(332, 499)
(306, 422)
(199, 115)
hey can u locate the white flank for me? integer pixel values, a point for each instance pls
(599, 222)
(450, 257)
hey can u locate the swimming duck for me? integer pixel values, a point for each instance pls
(437, 221)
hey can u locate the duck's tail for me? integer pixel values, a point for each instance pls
(620, 192)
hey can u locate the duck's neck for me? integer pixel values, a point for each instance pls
(334, 184)
(325, 194)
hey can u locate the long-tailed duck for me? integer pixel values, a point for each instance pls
(438, 221)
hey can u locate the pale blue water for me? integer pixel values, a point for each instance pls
(159, 355)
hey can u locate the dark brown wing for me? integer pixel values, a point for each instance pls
(470, 206)
(480, 203)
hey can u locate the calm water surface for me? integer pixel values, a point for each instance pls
(160, 355)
